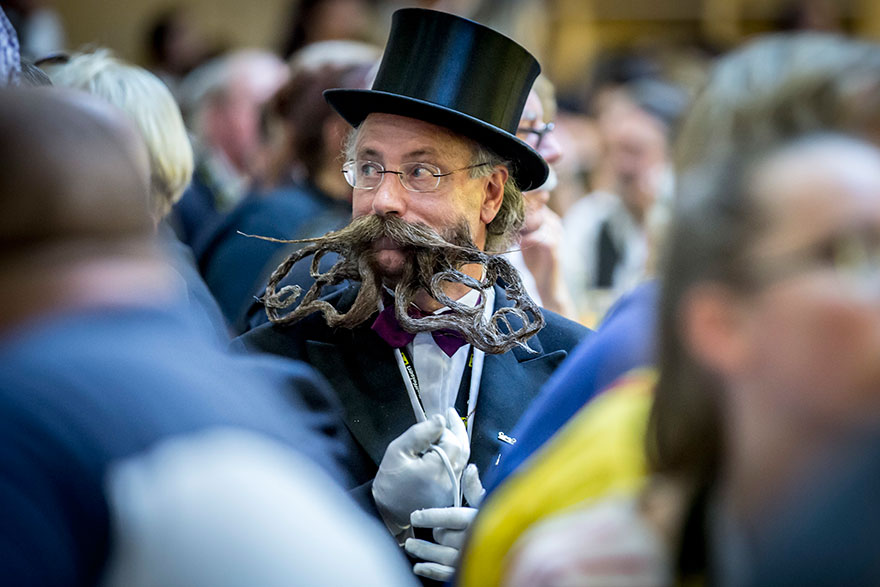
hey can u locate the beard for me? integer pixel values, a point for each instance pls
(433, 260)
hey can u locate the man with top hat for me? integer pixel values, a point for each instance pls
(433, 347)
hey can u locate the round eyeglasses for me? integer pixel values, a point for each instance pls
(415, 176)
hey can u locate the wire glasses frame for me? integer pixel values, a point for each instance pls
(415, 176)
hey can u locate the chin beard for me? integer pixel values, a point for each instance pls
(433, 260)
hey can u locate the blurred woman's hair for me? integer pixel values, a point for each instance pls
(771, 92)
(783, 85)
(149, 103)
(712, 225)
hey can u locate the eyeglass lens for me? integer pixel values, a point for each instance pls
(417, 177)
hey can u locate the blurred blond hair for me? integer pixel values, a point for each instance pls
(149, 103)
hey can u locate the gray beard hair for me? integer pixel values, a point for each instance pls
(434, 260)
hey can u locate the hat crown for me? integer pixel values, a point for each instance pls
(458, 64)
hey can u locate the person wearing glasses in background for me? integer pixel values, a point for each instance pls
(537, 255)
(437, 350)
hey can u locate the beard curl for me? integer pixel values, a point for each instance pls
(433, 261)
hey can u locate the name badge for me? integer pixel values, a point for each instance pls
(506, 439)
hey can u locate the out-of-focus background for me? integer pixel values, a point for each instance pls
(566, 35)
(614, 174)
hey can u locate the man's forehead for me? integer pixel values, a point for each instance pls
(390, 133)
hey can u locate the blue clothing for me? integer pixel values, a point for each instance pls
(81, 391)
(202, 304)
(197, 211)
(825, 530)
(623, 342)
(235, 266)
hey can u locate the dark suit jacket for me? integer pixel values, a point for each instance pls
(202, 304)
(196, 212)
(362, 370)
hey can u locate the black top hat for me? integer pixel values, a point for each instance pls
(454, 73)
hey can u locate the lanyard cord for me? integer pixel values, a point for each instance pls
(474, 364)
(411, 382)
(407, 368)
(456, 484)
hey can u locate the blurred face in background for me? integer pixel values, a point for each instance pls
(339, 19)
(534, 131)
(635, 154)
(234, 121)
(812, 331)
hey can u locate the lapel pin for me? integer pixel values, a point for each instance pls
(506, 439)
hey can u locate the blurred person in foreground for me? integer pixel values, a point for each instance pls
(767, 333)
(222, 103)
(825, 531)
(303, 192)
(537, 253)
(583, 438)
(768, 360)
(436, 349)
(134, 451)
(149, 104)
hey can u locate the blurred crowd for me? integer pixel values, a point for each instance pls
(665, 304)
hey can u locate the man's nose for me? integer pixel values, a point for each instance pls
(390, 196)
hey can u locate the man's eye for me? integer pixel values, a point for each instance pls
(368, 170)
(419, 172)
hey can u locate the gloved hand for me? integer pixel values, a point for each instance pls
(450, 526)
(412, 476)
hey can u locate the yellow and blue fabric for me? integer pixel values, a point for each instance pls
(624, 341)
(601, 450)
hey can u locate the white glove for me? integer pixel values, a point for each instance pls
(450, 526)
(412, 476)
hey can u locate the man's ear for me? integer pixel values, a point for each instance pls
(714, 328)
(493, 194)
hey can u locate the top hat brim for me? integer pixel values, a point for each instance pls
(528, 168)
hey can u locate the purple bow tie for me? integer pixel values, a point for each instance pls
(387, 326)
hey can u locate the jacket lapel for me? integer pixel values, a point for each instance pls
(361, 368)
(509, 383)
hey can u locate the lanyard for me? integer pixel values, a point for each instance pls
(474, 365)
(472, 373)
